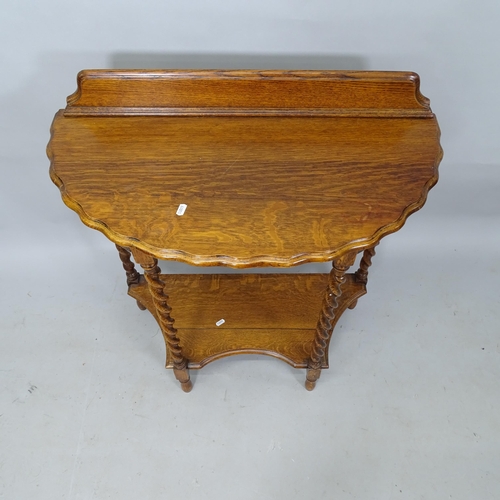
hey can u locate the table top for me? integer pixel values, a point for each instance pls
(276, 168)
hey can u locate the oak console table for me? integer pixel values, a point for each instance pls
(245, 169)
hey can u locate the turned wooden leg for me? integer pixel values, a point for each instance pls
(133, 276)
(163, 310)
(366, 261)
(324, 327)
(182, 375)
(311, 377)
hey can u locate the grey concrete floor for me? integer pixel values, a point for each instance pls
(410, 408)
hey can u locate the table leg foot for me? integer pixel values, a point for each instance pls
(312, 376)
(141, 306)
(353, 305)
(183, 377)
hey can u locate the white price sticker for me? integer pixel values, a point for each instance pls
(181, 209)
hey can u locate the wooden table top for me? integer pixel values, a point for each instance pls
(276, 168)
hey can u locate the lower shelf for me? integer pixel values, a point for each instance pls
(271, 314)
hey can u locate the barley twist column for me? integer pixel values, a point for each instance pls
(133, 276)
(366, 261)
(165, 320)
(324, 327)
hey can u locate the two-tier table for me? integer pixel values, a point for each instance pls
(245, 169)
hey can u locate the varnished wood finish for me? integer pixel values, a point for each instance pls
(244, 93)
(271, 314)
(261, 190)
(277, 168)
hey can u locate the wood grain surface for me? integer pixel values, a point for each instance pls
(273, 168)
(261, 190)
(272, 314)
(254, 92)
